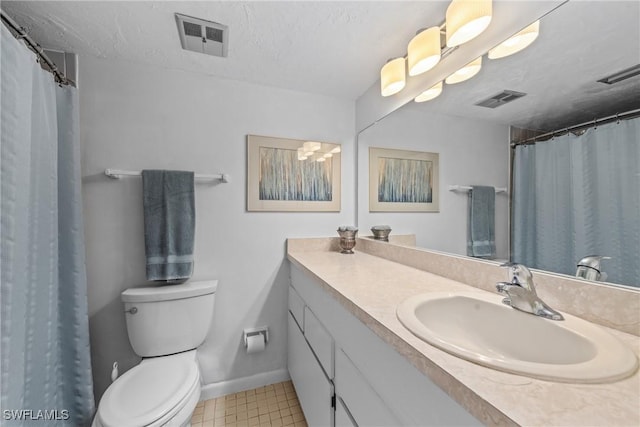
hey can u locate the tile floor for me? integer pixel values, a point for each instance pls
(274, 405)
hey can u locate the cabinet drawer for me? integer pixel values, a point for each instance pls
(320, 341)
(296, 307)
(363, 403)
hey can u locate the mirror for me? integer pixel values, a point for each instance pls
(579, 43)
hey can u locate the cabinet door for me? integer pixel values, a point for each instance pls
(343, 417)
(364, 405)
(320, 341)
(312, 386)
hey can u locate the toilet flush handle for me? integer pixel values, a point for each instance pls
(132, 310)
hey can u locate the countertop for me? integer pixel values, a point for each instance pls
(371, 287)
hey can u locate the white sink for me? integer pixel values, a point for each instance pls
(476, 326)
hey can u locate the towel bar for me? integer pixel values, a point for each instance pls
(463, 188)
(117, 174)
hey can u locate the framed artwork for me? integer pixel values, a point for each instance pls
(403, 181)
(292, 175)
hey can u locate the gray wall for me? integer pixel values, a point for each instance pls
(135, 117)
(470, 152)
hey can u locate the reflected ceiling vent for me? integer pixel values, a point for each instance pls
(500, 99)
(621, 75)
(203, 36)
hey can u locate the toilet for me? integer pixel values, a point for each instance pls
(165, 325)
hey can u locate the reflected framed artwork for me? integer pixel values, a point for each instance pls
(403, 181)
(292, 175)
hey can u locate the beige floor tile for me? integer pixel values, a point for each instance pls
(274, 405)
(284, 412)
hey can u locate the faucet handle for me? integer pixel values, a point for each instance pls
(519, 274)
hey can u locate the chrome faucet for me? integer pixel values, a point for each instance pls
(521, 293)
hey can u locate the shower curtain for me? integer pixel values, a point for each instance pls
(580, 195)
(46, 369)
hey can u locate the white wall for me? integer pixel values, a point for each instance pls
(135, 117)
(471, 152)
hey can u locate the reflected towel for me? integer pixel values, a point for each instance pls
(481, 222)
(169, 224)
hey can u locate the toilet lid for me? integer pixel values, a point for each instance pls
(148, 391)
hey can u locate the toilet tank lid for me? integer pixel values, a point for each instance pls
(170, 292)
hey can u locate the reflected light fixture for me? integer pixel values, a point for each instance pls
(423, 52)
(466, 72)
(392, 77)
(466, 19)
(430, 93)
(335, 150)
(516, 43)
(311, 146)
(301, 154)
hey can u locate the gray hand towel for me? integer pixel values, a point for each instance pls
(169, 224)
(481, 222)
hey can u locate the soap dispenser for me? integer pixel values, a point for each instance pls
(589, 268)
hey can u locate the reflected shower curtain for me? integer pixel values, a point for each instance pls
(580, 195)
(46, 366)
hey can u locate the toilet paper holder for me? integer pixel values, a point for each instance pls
(263, 330)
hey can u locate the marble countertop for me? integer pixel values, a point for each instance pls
(371, 287)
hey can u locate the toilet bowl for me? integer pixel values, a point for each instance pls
(157, 392)
(165, 324)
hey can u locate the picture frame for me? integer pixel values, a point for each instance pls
(292, 175)
(403, 181)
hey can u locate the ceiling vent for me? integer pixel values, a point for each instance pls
(202, 36)
(621, 75)
(500, 99)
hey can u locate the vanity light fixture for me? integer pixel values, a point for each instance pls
(430, 93)
(392, 77)
(335, 150)
(321, 159)
(516, 43)
(424, 51)
(466, 72)
(327, 155)
(301, 154)
(466, 19)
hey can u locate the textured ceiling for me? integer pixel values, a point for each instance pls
(337, 49)
(329, 48)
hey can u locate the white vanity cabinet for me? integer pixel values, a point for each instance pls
(374, 384)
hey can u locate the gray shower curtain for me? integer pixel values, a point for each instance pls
(46, 369)
(580, 195)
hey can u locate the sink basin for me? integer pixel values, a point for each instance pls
(476, 326)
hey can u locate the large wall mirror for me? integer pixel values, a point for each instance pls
(579, 44)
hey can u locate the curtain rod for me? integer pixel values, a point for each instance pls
(586, 125)
(35, 47)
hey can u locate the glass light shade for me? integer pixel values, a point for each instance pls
(516, 43)
(423, 52)
(311, 146)
(466, 19)
(430, 93)
(301, 154)
(327, 155)
(336, 150)
(320, 159)
(392, 77)
(466, 72)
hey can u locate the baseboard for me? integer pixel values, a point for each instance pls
(210, 391)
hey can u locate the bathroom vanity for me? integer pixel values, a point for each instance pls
(353, 363)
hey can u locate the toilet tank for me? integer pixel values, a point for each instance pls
(168, 319)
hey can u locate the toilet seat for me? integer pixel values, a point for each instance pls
(151, 393)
